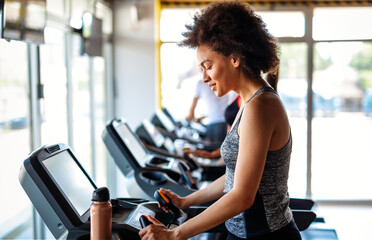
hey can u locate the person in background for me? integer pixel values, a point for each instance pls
(215, 108)
(232, 110)
(230, 114)
(234, 50)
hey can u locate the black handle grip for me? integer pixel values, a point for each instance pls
(144, 221)
(187, 175)
(192, 164)
(165, 201)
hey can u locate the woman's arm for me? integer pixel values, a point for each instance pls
(190, 116)
(210, 193)
(222, 210)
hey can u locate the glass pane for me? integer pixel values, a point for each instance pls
(100, 120)
(53, 77)
(293, 22)
(342, 121)
(82, 145)
(172, 22)
(178, 79)
(342, 23)
(55, 7)
(292, 88)
(14, 135)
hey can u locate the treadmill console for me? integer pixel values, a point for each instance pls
(162, 120)
(131, 149)
(131, 141)
(58, 186)
(157, 138)
(148, 171)
(61, 191)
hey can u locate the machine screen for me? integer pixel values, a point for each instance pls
(133, 144)
(71, 180)
(165, 121)
(154, 133)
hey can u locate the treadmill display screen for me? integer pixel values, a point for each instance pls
(165, 121)
(133, 144)
(154, 133)
(71, 180)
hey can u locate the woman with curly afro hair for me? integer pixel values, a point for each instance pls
(234, 52)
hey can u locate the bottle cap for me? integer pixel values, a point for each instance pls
(101, 194)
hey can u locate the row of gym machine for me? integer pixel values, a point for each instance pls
(150, 157)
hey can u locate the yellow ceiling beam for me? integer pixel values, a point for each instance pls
(185, 3)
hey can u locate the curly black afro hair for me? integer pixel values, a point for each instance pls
(233, 28)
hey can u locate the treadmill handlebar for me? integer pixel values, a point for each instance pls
(190, 181)
(144, 221)
(164, 201)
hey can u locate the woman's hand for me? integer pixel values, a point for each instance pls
(200, 153)
(157, 230)
(178, 202)
(189, 117)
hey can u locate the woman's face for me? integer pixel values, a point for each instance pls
(218, 71)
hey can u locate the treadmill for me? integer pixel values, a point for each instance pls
(156, 143)
(200, 128)
(174, 131)
(147, 171)
(61, 191)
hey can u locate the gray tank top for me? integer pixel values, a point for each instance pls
(270, 210)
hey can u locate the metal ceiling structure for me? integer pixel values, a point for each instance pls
(268, 3)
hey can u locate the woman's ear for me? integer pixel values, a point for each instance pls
(235, 61)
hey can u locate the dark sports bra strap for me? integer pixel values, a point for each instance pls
(265, 88)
